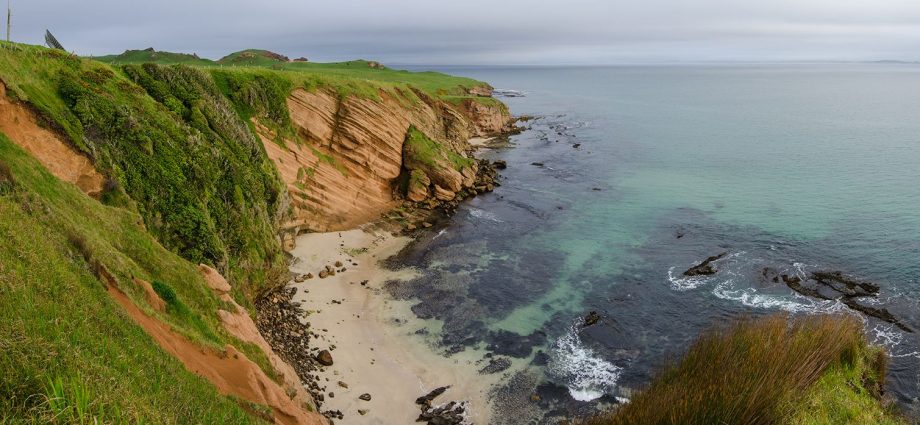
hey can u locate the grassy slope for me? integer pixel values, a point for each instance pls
(175, 145)
(67, 351)
(152, 56)
(810, 370)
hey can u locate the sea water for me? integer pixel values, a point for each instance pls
(629, 175)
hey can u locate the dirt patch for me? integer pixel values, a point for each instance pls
(238, 323)
(229, 370)
(21, 125)
(153, 298)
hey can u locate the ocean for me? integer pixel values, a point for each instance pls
(627, 176)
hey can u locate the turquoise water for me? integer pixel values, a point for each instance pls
(797, 168)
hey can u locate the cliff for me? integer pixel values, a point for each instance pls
(343, 167)
(128, 192)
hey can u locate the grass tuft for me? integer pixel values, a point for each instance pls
(750, 372)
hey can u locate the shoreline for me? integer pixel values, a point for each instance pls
(378, 345)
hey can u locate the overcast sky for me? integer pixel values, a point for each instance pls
(487, 31)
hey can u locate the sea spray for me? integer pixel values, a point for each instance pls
(581, 369)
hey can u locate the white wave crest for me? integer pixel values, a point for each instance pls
(588, 376)
(485, 215)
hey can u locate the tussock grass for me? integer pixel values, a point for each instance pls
(751, 372)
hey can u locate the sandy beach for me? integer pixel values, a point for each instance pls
(373, 338)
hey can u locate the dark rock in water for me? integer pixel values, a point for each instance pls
(795, 283)
(449, 414)
(499, 164)
(878, 313)
(577, 145)
(365, 397)
(591, 319)
(705, 268)
(511, 344)
(425, 400)
(324, 358)
(540, 359)
(538, 164)
(496, 365)
(844, 285)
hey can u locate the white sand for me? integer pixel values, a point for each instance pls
(377, 350)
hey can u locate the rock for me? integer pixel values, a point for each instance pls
(577, 145)
(411, 227)
(844, 285)
(499, 164)
(323, 274)
(425, 400)
(879, 313)
(535, 397)
(426, 225)
(591, 319)
(705, 268)
(363, 412)
(365, 397)
(300, 278)
(795, 283)
(338, 264)
(443, 194)
(324, 358)
(309, 276)
(343, 385)
(538, 164)
(496, 365)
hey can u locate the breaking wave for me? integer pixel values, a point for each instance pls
(485, 215)
(586, 375)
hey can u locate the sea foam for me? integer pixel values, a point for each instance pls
(586, 375)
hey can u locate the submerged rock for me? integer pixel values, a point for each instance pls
(705, 268)
(591, 319)
(496, 365)
(844, 285)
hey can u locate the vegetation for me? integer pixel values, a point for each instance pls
(431, 153)
(152, 56)
(176, 145)
(68, 352)
(806, 370)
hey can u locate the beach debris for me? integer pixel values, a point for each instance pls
(365, 397)
(705, 268)
(591, 319)
(324, 358)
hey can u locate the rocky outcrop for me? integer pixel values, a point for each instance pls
(344, 169)
(705, 268)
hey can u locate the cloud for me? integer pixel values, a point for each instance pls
(494, 32)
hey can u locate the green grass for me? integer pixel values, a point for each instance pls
(432, 153)
(176, 145)
(68, 352)
(766, 371)
(847, 393)
(153, 56)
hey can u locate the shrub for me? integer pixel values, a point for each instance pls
(745, 373)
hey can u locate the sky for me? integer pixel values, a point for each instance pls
(480, 32)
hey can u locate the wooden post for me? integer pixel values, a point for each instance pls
(9, 18)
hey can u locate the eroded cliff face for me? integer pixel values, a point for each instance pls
(22, 125)
(343, 170)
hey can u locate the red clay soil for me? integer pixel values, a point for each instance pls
(21, 125)
(230, 371)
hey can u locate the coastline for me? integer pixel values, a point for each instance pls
(377, 343)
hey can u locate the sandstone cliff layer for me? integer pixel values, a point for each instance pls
(351, 155)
